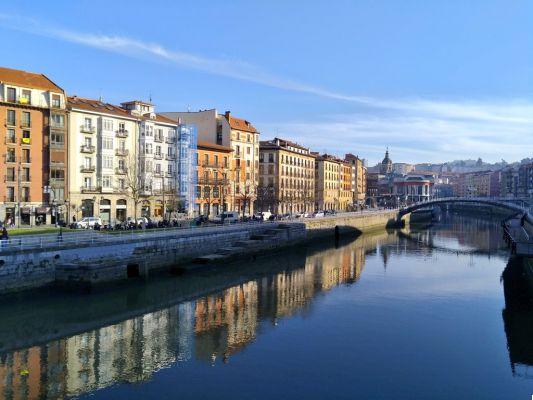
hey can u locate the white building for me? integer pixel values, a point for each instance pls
(102, 145)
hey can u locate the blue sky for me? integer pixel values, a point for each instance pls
(433, 80)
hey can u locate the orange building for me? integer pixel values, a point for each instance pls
(33, 118)
(212, 192)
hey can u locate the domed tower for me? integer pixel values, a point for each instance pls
(386, 164)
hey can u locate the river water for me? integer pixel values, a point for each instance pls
(412, 314)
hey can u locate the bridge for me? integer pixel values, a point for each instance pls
(516, 206)
(517, 228)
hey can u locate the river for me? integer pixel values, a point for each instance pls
(413, 314)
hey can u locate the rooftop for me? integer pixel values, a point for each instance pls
(28, 79)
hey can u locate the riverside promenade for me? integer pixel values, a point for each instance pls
(88, 257)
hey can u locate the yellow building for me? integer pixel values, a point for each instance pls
(286, 177)
(328, 182)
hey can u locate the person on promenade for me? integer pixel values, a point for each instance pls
(5, 235)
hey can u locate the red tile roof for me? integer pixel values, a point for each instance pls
(202, 144)
(97, 106)
(28, 79)
(239, 124)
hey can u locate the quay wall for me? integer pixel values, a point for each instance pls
(352, 223)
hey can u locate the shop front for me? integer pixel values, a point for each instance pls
(121, 208)
(145, 209)
(40, 215)
(87, 208)
(105, 211)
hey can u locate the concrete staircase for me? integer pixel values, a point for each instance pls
(270, 238)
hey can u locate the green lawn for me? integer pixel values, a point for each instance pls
(34, 231)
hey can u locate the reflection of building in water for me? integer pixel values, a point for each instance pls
(214, 326)
(225, 322)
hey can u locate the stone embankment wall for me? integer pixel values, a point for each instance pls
(110, 258)
(119, 257)
(351, 223)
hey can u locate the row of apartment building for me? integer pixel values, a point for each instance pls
(69, 157)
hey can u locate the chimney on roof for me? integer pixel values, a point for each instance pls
(227, 115)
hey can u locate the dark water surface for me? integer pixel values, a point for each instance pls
(394, 315)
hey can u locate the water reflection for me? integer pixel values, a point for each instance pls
(210, 328)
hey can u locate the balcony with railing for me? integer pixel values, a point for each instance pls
(214, 165)
(25, 178)
(158, 156)
(158, 174)
(158, 138)
(121, 152)
(212, 181)
(169, 174)
(170, 139)
(170, 156)
(87, 168)
(9, 178)
(11, 122)
(57, 182)
(87, 129)
(10, 139)
(57, 145)
(9, 199)
(89, 189)
(25, 160)
(10, 158)
(85, 148)
(122, 133)
(120, 171)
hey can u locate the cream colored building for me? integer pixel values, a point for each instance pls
(286, 178)
(328, 182)
(243, 138)
(102, 145)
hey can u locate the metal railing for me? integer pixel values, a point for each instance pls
(87, 148)
(121, 133)
(87, 129)
(83, 238)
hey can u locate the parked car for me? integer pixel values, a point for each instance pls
(318, 214)
(89, 222)
(264, 215)
(227, 217)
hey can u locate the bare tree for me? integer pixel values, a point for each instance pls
(134, 183)
(246, 195)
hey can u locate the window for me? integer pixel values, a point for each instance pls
(108, 124)
(56, 100)
(26, 118)
(237, 150)
(11, 95)
(88, 142)
(107, 143)
(148, 148)
(158, 168)
(106, 181)
(206, 159)
(11, 117)
(25, 174)
(158, 150)
(270, 157)
(11, 136)
(170, 168)
(198, 191)
(10, 194)
(10, 175)
(25, 194)
(87, 182)
(107, 161)
(226, 162)
(26, 156)
(121, 164)
(148, 166)
(216, 160)
(121, 184)
(122, 127)
(58, 120)
(26, 137)
(87, 162)
(88, 123)
(26, 96)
